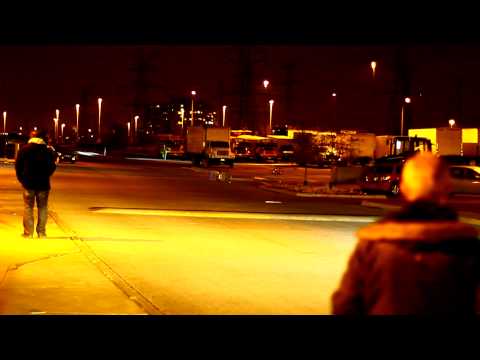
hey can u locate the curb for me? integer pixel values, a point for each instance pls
(307, 195)
(168, 161)
(380, 206)
(286, 192)
(465, 219)
(344, 196)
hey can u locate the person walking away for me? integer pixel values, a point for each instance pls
(420, 260)
(34, 166)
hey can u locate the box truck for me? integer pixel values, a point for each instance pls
(205, 146)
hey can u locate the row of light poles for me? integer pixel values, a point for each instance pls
(56, 120)
(266, 84)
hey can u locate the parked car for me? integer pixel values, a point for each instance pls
(465, 179)
(287, 152)
(383, 177)
(171, 149)
(66, 154)
(327, 160)
(264, 152)
(245, 151)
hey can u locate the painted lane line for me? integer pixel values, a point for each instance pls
(273, 202)
(235, 215)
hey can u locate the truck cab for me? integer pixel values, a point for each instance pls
(218, 150)
(392, 146)
(207, 146)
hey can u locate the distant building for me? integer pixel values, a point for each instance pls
(171, 118)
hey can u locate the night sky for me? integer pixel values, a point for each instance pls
(35, 80)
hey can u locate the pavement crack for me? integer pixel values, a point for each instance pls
(48, 257)
(132, 293)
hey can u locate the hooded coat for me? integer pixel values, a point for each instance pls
(35, 164)
(421, 260)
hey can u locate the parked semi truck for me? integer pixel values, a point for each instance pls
(207, 146)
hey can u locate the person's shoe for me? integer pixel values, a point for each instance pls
(42, 236)
(27, 236)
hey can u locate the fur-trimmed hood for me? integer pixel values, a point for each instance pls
(424, 231)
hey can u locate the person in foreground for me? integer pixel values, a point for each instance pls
(34, 166)
(418, 261)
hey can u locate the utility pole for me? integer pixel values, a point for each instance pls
(245, 89)
(143, 71)
(401, 91)
(289, 91)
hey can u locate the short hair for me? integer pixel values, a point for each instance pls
(40, 133)
(425, 177)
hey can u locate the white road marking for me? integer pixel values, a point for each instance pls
(273, 202)
(236, 215)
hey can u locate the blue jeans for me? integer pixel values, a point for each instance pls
(29, 197)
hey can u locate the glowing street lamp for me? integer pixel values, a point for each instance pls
(128, 130)
(271, 110)
(99, 117)
(224, 109)
(266, 83)
(407, 100)
(63, 127)
(193, 95)
(55, 120)
(77, 108)
(373, 65)
(136, 125)
(451, 122)
(4, 121)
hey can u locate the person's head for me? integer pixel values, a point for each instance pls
(425, 177)
(42, 134)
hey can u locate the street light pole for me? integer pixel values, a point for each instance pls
(407, 100)
(57, 116)
(63, 139)
(77, 107)
(373, 65)
(271, 110)
(193, 94)
(128, 132)
(136, 126)
(99, 118)
(224, 108)
(4, 121)
(55, 120)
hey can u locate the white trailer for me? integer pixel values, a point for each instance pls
(209, 145)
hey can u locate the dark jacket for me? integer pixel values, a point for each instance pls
(35, 164)
(421, 260)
